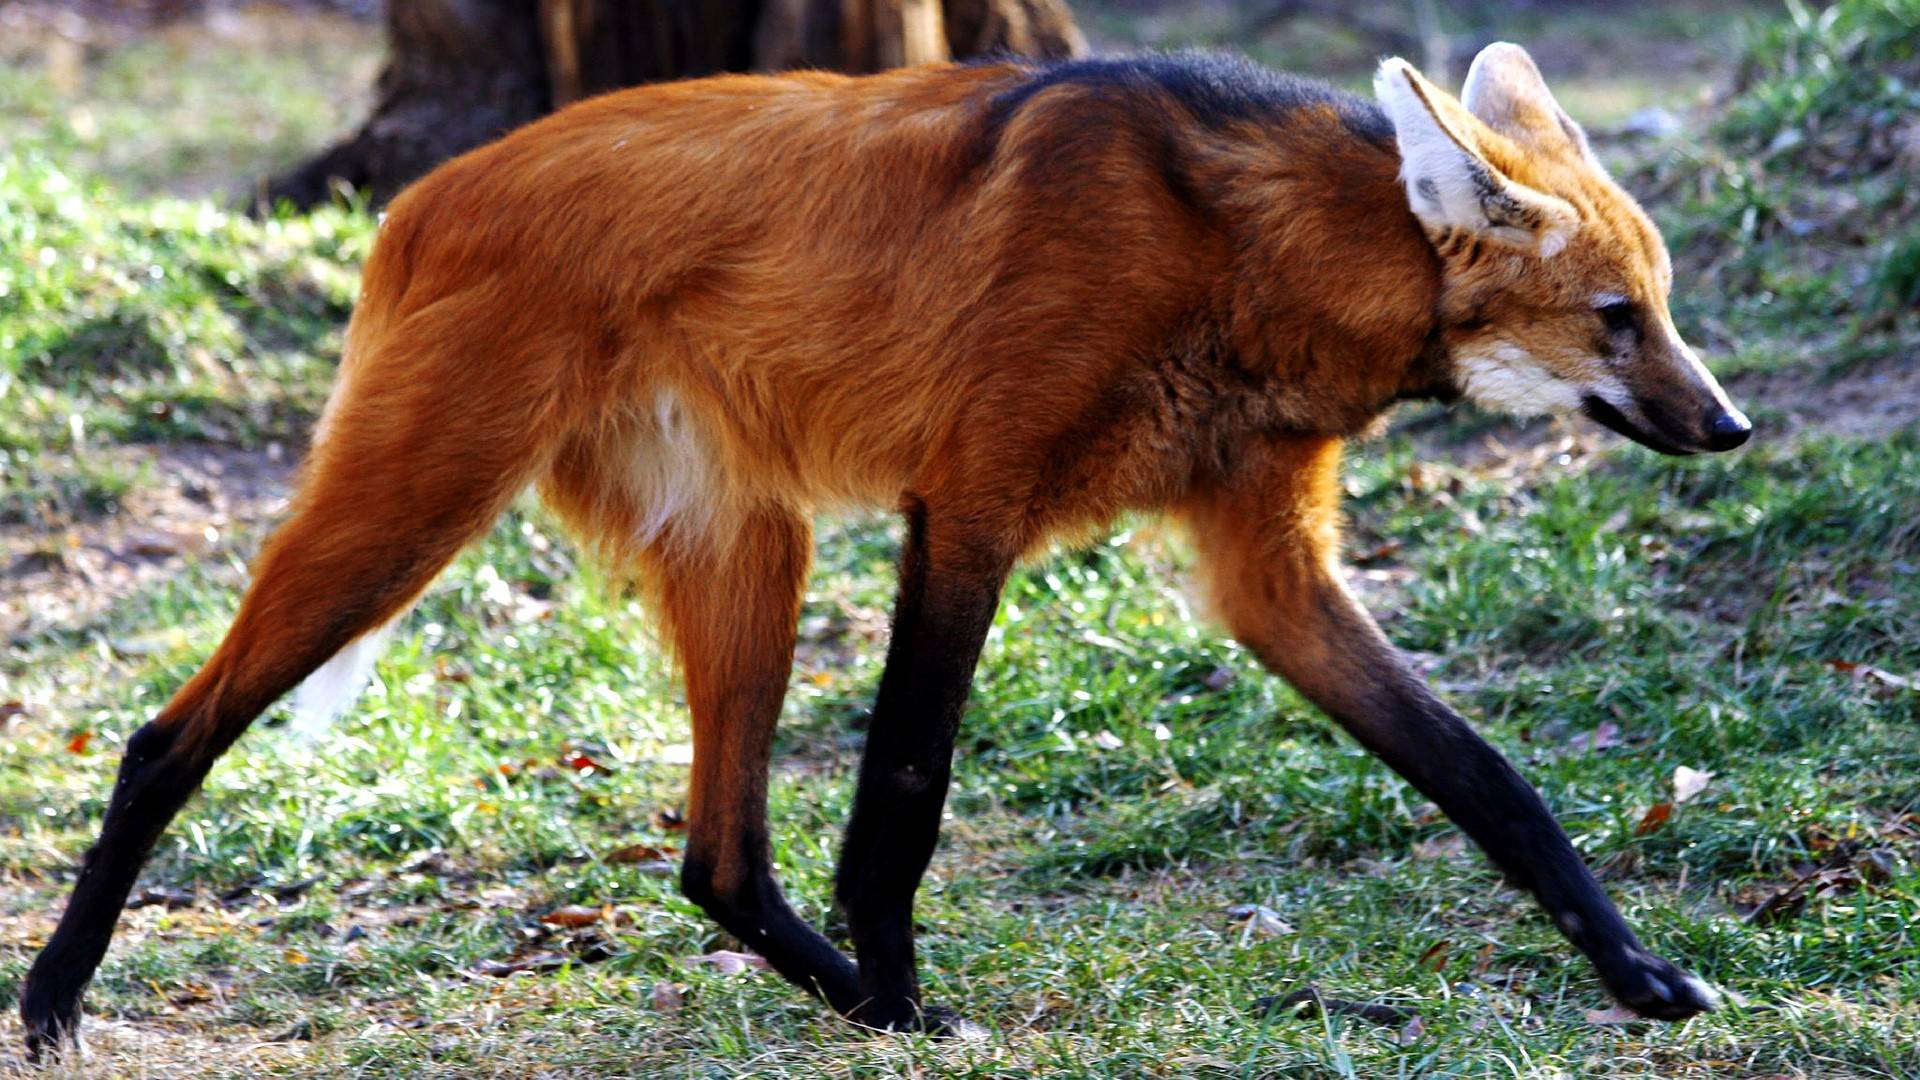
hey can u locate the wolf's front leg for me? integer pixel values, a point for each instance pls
(1267, 540)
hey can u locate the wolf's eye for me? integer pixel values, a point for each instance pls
(1619, 316)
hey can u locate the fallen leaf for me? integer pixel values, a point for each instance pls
(11, 709)
(727, 962)
(584, 762)
(1260, 919)
(1688, 782)
(1435, 958)
(640, 853)
(1483, 959)
(1877, 864)
(1656, 816)
(1219, 678)
(1107, 740)
(1411, 1033)
(190, 994)
(576, 915)
(593, 946)
(1383, 550)
(1835, 875)
(295, 956)
(1600, 738)
(1614, 1014)
(78, 744)
(667, 997)
(1867, 672)
(538, 964)
(1444, 846)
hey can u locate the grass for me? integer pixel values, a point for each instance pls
(1793, 211)
(1125, 776)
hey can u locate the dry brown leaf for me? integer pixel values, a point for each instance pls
(1483, 960)
(78, 744)
(190, 994)
(1613, 1014)
(582, 761)
(1656, 816)
(1867, 672)
(1435, 957)
(577, 915)
(668, 997)
(728, 962)
(640, 853)
(1834, 876)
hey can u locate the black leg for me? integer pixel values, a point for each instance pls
(1268, 543)
(156, 778)
(948, 592)
(1403, 724)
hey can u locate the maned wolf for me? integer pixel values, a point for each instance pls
(1013, 300)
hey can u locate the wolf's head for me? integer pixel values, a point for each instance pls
(1554, 282)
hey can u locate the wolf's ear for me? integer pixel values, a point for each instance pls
(1505, 91)
(1450, 183)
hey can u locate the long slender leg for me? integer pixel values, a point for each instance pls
(414, 468)
(1268, 540)
(948, 591)
(732, 617)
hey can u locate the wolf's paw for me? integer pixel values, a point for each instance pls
(52, 1021)
(1656, 989)
(931, 1019)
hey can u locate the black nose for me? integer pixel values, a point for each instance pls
(1728, 430)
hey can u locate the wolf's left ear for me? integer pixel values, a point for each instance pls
(1450, 183)
(1505, 91)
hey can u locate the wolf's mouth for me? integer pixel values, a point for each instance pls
(1600, 411)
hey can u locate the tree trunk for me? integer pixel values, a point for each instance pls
(462, 72)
